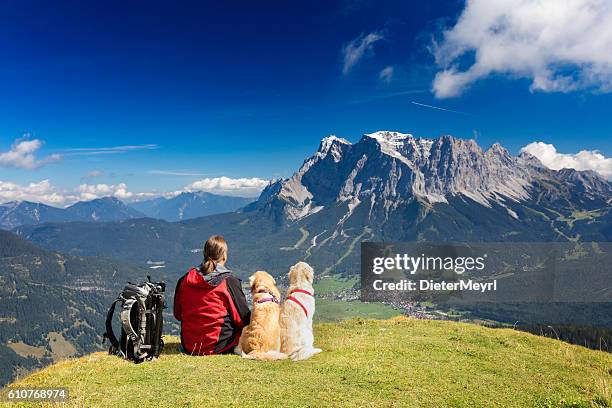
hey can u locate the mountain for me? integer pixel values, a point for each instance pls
(364, 363)
(189, 205)
(388, 186)
(102, 210)
(394, 186)
(16, 213)
(387, 171)
(51, 305)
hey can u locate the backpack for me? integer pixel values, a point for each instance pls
(141, 318)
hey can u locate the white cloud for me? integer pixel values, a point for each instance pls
(22, 155)
(386, 74)
(86, 192)
(94, 151)
(42, 191)
(243, 187)
(357, 49)
(561, 46)
(47, 193)
(583, 160)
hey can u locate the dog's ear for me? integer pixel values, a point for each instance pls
(291, 273)
(308, 274)
(303, 271)
(251, 281)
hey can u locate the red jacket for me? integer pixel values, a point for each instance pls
(212, 310)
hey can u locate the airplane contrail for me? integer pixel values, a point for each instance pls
(439, 108)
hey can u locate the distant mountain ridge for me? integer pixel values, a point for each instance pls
(16, 213)
(189, 205)
(103, 210)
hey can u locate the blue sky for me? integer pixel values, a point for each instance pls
(205, 89)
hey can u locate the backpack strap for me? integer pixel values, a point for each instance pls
(109, 327)
(137, 337)
(125, 319)
(129, 329)
(158, 344)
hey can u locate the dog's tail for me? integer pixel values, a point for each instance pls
(304, 353)
(265, 355)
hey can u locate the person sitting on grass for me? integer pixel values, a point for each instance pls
(210, 304)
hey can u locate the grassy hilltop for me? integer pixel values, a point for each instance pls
(367, 363)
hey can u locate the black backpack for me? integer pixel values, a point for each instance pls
(141, 321)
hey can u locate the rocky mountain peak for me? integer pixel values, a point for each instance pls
(497, 149)
(332, 145)
(328, 141)
(529, 159)
(386, 168)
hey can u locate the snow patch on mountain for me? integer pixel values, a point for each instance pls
(332, 145)
(390, 143)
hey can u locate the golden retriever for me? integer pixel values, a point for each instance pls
(296, 315)
(260, 340)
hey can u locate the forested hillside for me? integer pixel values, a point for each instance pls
(52, 306)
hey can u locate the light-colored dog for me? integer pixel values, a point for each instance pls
(296, 315)
(260, 340)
